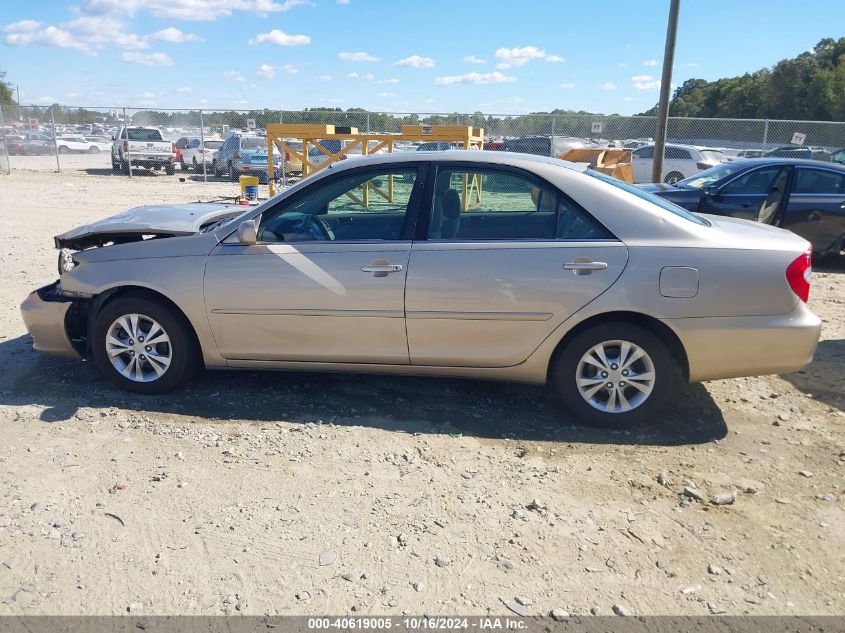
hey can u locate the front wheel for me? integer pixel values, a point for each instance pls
(672, 177)
(143, 346)
(614, 375)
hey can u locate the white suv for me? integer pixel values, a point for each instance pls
(679, 162)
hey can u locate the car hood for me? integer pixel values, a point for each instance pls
(161, 220)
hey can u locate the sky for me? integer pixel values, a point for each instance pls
(493, 56)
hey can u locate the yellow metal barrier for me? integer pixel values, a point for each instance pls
(278, 135)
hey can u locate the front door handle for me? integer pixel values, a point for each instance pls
(381, 268)
(581, 267)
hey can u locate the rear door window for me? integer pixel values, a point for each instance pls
(819, 181)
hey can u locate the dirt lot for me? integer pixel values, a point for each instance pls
(296, 493)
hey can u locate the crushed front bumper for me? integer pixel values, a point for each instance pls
(45, 314)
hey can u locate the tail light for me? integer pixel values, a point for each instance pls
(236, 155)
(125, 146)
(287, 156)
(703, 165)
(173, 147)
(799, 274)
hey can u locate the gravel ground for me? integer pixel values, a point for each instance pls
(303, 493)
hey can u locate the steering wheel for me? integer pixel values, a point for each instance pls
(304, 226)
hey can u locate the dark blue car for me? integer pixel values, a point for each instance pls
(805, 196)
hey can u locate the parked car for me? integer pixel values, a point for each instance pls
(73, 144)
(31, 144)
(799, 151)
(99, 143)
(571, 277)
(542, 145)
(243, 154)
(804, 196)
(838, 156)
(17, 145)
(749, 153)
(142, 147)
(198, 153)
(679, 162)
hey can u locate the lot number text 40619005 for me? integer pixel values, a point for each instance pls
(486, 623)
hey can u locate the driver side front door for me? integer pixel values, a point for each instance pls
(326, 280)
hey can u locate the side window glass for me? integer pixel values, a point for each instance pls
(819, 181)
(363, 206)
(645, 152)
(759, 181)
(488, 204)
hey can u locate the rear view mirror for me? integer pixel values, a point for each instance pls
(712, 191)
(248, 232)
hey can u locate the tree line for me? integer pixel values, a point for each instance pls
(809, 87)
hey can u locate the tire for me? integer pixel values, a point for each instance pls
(214, 169)
(181, 348)
(63, 150)
(93, 150)
(197, 167)
(170, 169)
(569, 365)
(124, 166)
(115, 167)
(672, 177)
(232, 175)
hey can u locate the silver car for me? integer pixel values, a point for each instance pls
(486, 265)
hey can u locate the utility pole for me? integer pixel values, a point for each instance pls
(665, 88)
(20, 112)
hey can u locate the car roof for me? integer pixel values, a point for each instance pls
(514, 159)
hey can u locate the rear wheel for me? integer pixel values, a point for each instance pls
(614, 375)
(672, 177)
(143, 346)
(63, 149)
(232, 175)
(93, 150)
(170, 169)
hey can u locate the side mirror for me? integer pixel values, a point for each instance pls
(712, 191)
(248, 232)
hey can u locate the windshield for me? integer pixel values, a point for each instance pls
(139, 134)
(708, 176)
(649, 197)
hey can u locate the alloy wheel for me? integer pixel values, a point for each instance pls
(138, 347)
(615, 376)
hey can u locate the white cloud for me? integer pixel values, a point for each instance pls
(567, 85)
(280, 38)
(392, 80)
(415, 61)
(650, 62)
(343, 1)
(325, 77)
(352, 75)
(645, 82)
(266, 70)
(147, 59)
(515, 57)
(290, 69)
(472, 59)
(622, 64)
(369, 76)
(386, 94)
(479, 79)
(31, 33)
(555, 59)
(184, 89)
(607, 86)
(193, 10)
(233, 75)
(360, 56)
(175, 36)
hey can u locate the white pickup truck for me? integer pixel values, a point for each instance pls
(142, 147)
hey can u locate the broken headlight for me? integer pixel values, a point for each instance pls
(66, 261)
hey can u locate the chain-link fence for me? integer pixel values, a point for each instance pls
(81, 138)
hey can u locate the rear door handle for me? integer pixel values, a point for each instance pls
(585, 268)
